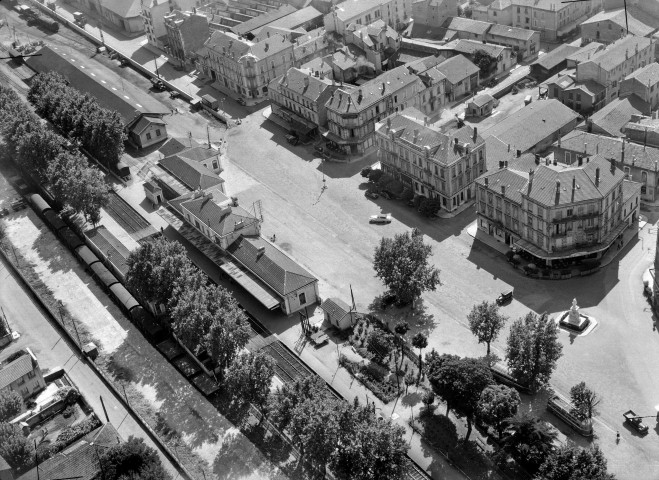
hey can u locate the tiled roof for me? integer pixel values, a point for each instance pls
(175, 145)
(629, 189)
(500, 4)
(551, 5)
(11, 372)
(144, 122)
(335, 308)
(261, 20)
(350, 9)
(533, 123)
(215, 210)
(498, 151)
(457, 68)
(591, 144)
(461, 24)
(190, 173)
(648, 75)
(469, 47)
(124, 8)
(228, 44)
(441, 146)
(482, 99)
(617, 52)
(279, 271)
(104, 85)
(512, 180)
(585, 52)
(552, 185)
(556, 56)
(302, 83)
(636, 27)
(589, 87)
(372, 91)
(615, 115)
(295, 19)
(199, 154)
(511, 32)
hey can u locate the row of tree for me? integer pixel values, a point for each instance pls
(44, 155)
(99, 130)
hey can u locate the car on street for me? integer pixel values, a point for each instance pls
(241, 101)
(380, 218)
(635, 422)
(371, 195)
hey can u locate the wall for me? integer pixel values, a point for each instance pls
(603, 32)
(292, 302)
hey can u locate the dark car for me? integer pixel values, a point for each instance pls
(241, 101)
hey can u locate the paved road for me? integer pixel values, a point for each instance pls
(52, 350)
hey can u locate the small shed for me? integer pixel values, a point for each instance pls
(481, 105)
(153, 192)
(337, 312)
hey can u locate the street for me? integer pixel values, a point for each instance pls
(52, 350)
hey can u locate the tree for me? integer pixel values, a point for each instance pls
(420, 341)
(375, 175)
(428, 399)
(496, 404)
(402, 264)
(37, 149)
(485, 322)
(460, 381)
(533, 349)
(314, 428)
(132, 459)
(409, 381)
(528, 439)
(228, 333)
(401, 329)
(14, 447)
(282, 403)
(484, 61)
(571, 462)
(584, 400)
(379, 343)
(429, 206)
(249, 377)
(11, 404)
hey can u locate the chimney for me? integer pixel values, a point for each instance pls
(260, 251)
(267, 46)
(500, 164)
(475, 133)
(613, 165)
(383, 86)
(622, 155)
(486, 181)
(456, 142)
(580, 161)
(306, 81)
(555, 161)
(537, 159)
(559, 140)
(427, 150)
(509, 147)
(416, 135)
(597, 148)
(585, 147)
(574, 187)
(505, 164)
(531, 172)
(597, 176)
(388, 124)
(557, 199)
(503, 190)
(519, 153)
(360, 96)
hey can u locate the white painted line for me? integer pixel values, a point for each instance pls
(139, 105)
(104, 81)
(114, 89)
(92, 74)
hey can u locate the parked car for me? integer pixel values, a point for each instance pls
(241, 101)
(371, 195)
(318, 149)
(380, 218)
(388, 299)
(635, 421)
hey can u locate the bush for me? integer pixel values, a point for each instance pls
(69, 394)
(74, 432)
(68, 411)
(375, 175)
(366, 171)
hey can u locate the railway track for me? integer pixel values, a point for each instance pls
(124, 214)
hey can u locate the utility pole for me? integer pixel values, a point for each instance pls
(104, 410)
(155, 60)
(208, 134)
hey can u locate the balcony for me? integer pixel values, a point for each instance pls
(575, 217)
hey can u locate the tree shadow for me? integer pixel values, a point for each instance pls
(411, 399)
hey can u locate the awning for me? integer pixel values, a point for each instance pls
(301, 128)
(337, 139)
(252, 284)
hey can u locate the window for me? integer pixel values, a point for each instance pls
(148, 136)
(303, 298)
(31, 374)
(215, 165)
(569, 212)
(157, 132)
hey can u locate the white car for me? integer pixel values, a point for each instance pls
(380, 218)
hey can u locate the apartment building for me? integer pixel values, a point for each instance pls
(555, 211)
(433, 13)
(20, 372)
(434, 164)
(433, 96)
(644, 83)
(186, 34)
(377, 40)
(524, 42)
(607, 27)
(462, 77)
(299, 97)
(353, 112)
(552, 18)
(499, 12)
(243, 66)
(639, 163)
(311, 45)
(153, 13)
(395, 13)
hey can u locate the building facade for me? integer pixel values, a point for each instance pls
(20, 373)
(395, 13)
(434, 164)
(524, 42)
(608, 27)
(498, 12)
(434, 13)
(153, 14)
(644, 83)
(558, 212)
(186, 33)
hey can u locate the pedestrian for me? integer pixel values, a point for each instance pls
(617, 437)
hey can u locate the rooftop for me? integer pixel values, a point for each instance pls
(482, 99)
(614, 116)
(295, 19)
(585, 52)
(551, 60)
(636, 27)
(124, 8)
(533, 123)
(457, 68)
(279, 271)
(647, 76)
(511, 32)
(17, 368)
(461, 24)
(261, 20)
(302, 83)
(350, 9)
(550, 5)
(189, 172)
(618, 52)
(335, 308)
(513, 182)
(469, 47)
(231, 45)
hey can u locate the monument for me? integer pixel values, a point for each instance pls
(573, 319)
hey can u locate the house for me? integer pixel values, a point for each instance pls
(557, 212)
(535, 127)
(462, 77)
(348, 64)
(552, 62)
(352, 113)
(153, 13)
(433, 96)
(246, 29)
(311, 45)
(186, 33)
(610, 66)
(502, 58)
(638, 162)
(554, 19)
(481, 105)
(153, 192)
(643, 129)
(81, 460)
(124, 15)
(433, 13)
(584, 97)
(243, 66)
(466, 28)
(524, 42)
(299, 97)
(338, 313)
(498, 12)
(433, 164)
(191, 173)
(142, 115)
(611, 119)
(190, 149)
(395, 13)
(644, 84)
(608, 27)
(584, 53)
(292, 285)
(378, 41)
(20, 373)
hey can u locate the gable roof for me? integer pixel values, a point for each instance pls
(174, 145)
(461, 24)
(124, 8)
(636, 27)
(513, 181)
(482, 99)
(533, 123)
(511, 32)
(457, 68)
(617, 52)
(585, 52)
(615, 115)
(261, 20)
(302, 83)
(279, 271)
(192, 174)
(14, 370)
(89, 76)
(335, 308)
(469, 47)
(295, 19)
(648, 75)
(144, 122)
(552, 59)
(349, 9)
